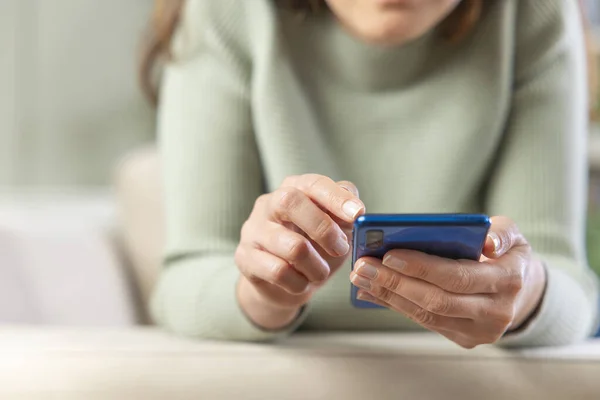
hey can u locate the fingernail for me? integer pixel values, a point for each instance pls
(341, 246)
(351, 208)
(367, 270)
(365, 296)
(496, 240)
(361, 282)
(394, 263)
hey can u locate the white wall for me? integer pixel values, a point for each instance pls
(69, 102)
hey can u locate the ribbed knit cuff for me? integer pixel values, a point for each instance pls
(261, 334)
(565, 315)
(232, 322)
(197, 297)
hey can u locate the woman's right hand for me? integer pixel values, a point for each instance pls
(294, 240)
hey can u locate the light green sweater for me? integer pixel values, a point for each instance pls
(494, 124)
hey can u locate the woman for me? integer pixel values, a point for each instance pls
(269, 109)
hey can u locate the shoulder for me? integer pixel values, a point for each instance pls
(548, 19)
(536, 21)
(547, 28)
(223, 23)
(547, 12)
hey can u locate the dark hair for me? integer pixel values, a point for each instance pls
(167, 13)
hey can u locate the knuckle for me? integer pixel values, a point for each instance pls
(467, 344)
(393, 282)
(492, 337)
(377, 291)
(385, 295)
(245, 231)
(288, 198)
(290, 180)
(325, 228)
(439, 304)
(261, 201)
(500, 318)
(505, 319)
(424, 317)
(515, 281)
(315, 180)
(419, 270)
(299, 249)
(239, 257)
(317, 183)
(279, 272)
(462, 280)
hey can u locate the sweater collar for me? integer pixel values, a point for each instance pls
(366, 66)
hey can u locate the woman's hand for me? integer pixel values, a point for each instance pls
(293, 241)
(469, 302)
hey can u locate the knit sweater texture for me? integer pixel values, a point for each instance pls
(496, 123)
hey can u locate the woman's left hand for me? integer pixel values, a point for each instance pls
(469, 302)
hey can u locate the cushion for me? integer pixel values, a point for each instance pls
(59, 263)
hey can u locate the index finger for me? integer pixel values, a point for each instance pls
(456, 276)
(331, 197)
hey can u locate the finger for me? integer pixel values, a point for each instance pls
(346, 226)
(334, 262)
(458, 337)
(460, 331)
(281, 298)
(349, 186)
(332, 197)
(379, 280)
(365, 296)
(456, 276)
(292, 205)
(419, 315)
(256, 265)
(503, 236)
(293, 248)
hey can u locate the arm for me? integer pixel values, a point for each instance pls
(212, 175)
(544, 299)
(539, 179)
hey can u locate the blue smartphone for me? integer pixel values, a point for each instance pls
(455, 236)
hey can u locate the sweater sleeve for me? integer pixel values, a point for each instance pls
(212, 174)
(540, 178)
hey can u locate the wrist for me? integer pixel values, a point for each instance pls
(533, 294)
(262, 313)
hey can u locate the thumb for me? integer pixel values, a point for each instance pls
(502, 237)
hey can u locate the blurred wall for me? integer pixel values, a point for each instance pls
(69, 103)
